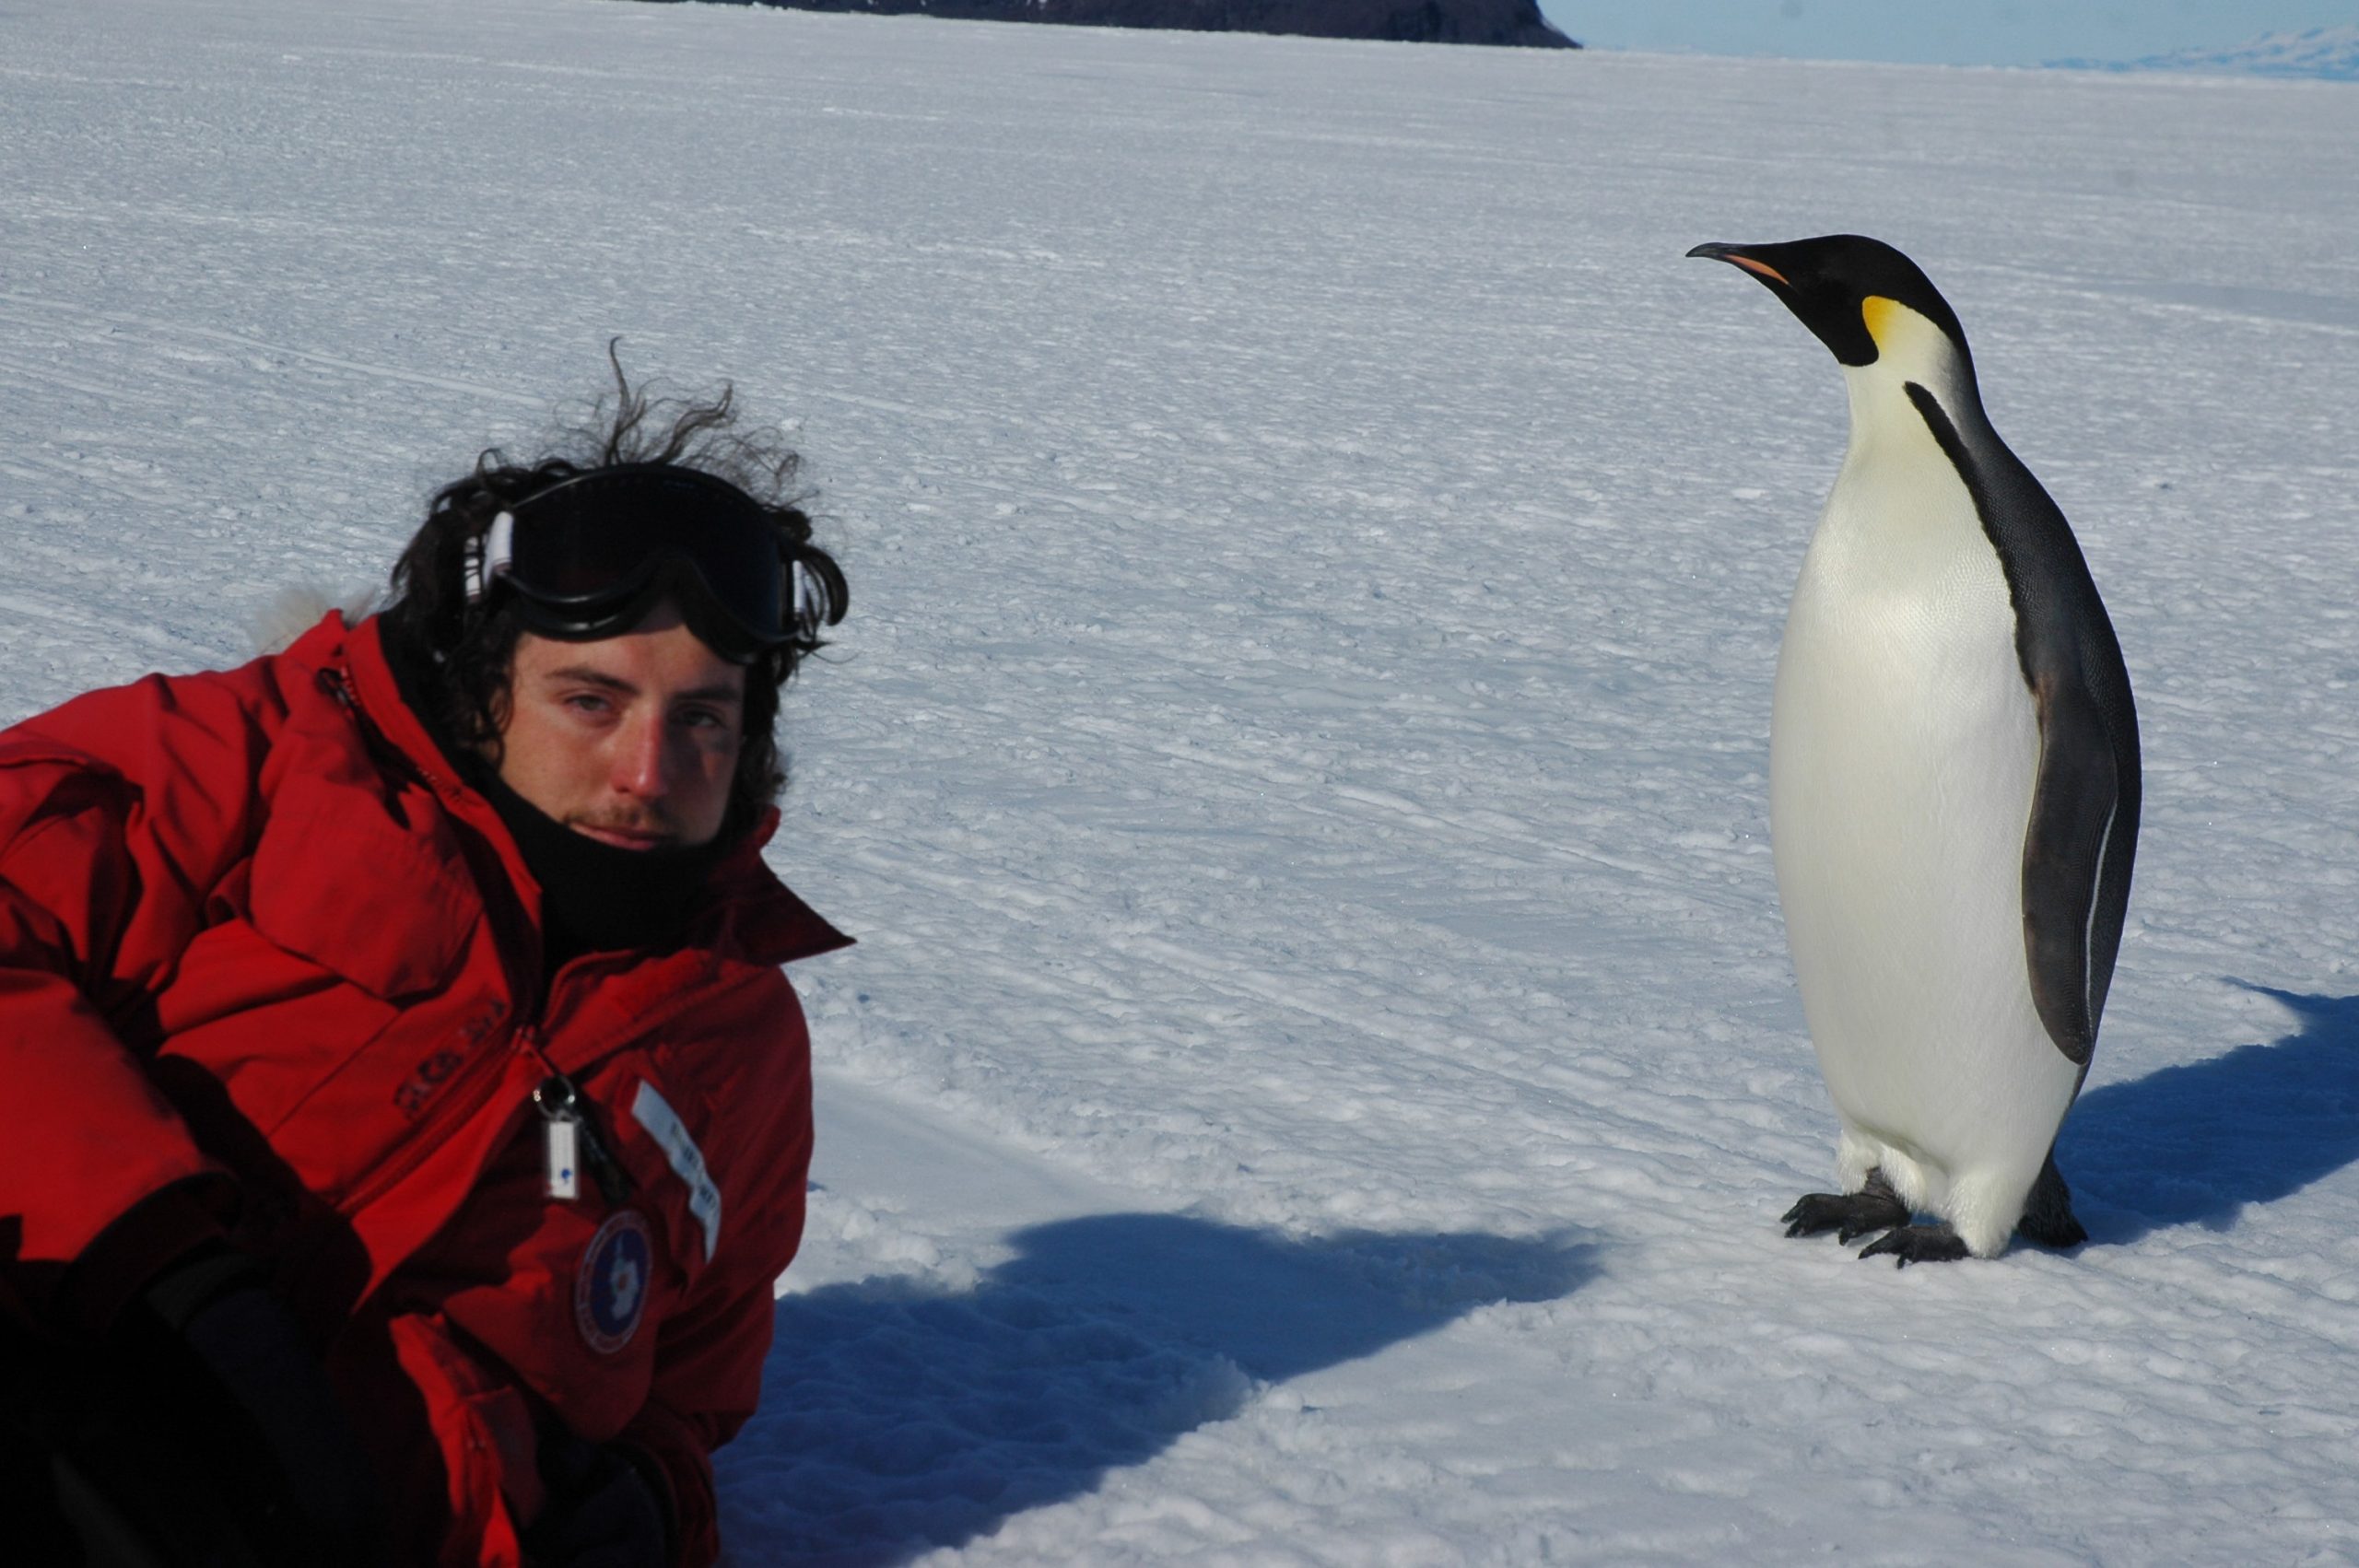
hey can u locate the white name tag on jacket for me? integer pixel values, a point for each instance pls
(654, 1113)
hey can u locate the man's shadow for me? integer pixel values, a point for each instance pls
(2194, 1144)
(897, 1418)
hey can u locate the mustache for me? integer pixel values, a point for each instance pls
(653, 823)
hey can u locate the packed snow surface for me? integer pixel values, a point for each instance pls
(1322, 1070)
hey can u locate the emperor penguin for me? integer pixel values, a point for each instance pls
(1952, 784)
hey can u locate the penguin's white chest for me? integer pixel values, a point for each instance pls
(1904, 747)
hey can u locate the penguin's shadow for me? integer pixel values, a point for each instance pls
(899, 1416)
(2194, 1144)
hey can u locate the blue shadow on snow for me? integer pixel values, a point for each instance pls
(899, 1417)
(2194, 1144)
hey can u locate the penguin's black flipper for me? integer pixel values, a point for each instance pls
(1918, 1244)
(1875, 1207)
(2076, 865)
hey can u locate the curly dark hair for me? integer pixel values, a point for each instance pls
(473, 644)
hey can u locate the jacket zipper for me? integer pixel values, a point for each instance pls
(557, 1098)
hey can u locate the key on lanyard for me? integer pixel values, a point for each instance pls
(571, 1140)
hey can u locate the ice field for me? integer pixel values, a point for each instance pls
(1320, 1069)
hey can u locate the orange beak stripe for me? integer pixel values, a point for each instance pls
(1764, 268)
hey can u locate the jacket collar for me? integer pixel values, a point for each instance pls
(751, 914)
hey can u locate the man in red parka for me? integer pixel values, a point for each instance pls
(409, 1117)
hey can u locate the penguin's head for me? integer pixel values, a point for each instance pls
(1866, 301)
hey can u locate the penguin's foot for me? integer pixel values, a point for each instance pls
(1875, 1207)
(1916, 1244)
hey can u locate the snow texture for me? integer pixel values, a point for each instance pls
(1321, 1068)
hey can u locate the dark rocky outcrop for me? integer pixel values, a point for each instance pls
(1512, 22)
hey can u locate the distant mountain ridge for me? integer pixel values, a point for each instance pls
(1513, 23)
(2329, 53)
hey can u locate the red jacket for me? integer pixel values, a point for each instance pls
(260, 948)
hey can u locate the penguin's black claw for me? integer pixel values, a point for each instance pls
(1815, 1212)
(1847, 1214)
(1916, 1244)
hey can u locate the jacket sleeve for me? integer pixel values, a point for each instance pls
(708, 1358)
(118, 814)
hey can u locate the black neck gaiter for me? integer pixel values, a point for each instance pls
(596, 897)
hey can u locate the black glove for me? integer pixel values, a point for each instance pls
(603, 1510)
(256, 1386)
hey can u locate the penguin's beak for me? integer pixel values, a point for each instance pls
(1735, 255)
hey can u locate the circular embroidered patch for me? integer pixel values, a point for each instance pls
(610, 1287)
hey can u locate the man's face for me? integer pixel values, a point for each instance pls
(630, 740)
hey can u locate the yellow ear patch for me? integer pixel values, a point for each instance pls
(1882, 316)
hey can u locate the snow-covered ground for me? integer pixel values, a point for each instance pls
(1321, 1068)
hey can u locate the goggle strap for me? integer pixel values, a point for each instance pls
(490, 556)
(810, 600)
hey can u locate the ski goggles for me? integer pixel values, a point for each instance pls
(591, 555)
